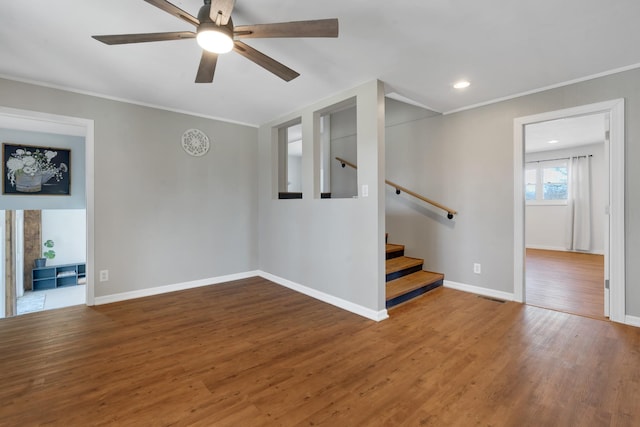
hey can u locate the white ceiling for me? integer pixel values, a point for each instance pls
(417, 47)
(569, 132)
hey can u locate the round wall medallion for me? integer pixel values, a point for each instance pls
(195, 142)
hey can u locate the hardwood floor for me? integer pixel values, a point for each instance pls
(566, 281)
(252, 353)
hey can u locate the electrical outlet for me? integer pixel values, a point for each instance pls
(365, 190)
(104, 275)
(477, 268)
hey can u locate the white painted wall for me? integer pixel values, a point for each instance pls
(68, 230)
(546, 225)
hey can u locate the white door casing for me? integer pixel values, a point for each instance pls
(614, 246)
(44, 122)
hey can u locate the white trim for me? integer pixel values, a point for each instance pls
(560, 249)
(519, 205)
(401, 98)
(632, 321)
(2, 260)
(89, 148)
(547, 248)
(330, 299)
(125, 100)
(141, 293)
(505, 296)
(343, 304)
(547, 203)
(75, 125)
(544, 88)
(616, 256)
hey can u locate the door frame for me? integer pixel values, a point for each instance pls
(45, 122)
(614, 110)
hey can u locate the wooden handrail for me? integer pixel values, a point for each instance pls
(450, 212)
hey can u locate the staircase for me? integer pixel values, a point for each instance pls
(405, 278)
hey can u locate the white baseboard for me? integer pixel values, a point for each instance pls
(106, 299)
(330, 299)
(338, 302)
(547, 248)
(560, 249)
(506, 296)
(632, 321)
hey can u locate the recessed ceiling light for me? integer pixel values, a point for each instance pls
(461, 84)
(553, 141)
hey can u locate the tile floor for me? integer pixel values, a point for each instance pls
(52, 298)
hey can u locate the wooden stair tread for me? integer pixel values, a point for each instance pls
(406, 280)
(401, 263)
(411, 282)
(394, 248)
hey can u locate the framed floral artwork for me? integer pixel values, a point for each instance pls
(31, 170)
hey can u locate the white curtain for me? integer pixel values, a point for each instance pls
(579, 204)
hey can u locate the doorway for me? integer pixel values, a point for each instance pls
(566, 190)
(614, 255)
(49, 252)
(25, 120)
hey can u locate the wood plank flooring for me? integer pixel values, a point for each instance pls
(252, 353)
(566, 281)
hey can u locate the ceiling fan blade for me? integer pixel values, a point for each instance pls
(175, 11)
(223, 8)
(269, 64)
(143, 38)
(315, 28)
(207, 67)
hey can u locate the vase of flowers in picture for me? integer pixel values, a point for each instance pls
(28, 169)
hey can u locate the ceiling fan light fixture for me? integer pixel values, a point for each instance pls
(214, 38)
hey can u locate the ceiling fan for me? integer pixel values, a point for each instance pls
(216, 34)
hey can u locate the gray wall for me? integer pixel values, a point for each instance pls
(334, 246)
(161, 217)
(465, 160)
(344, 144)
(76, 200)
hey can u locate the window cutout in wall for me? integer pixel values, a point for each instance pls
(290, 160)
(546, 182)
(338, 140)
